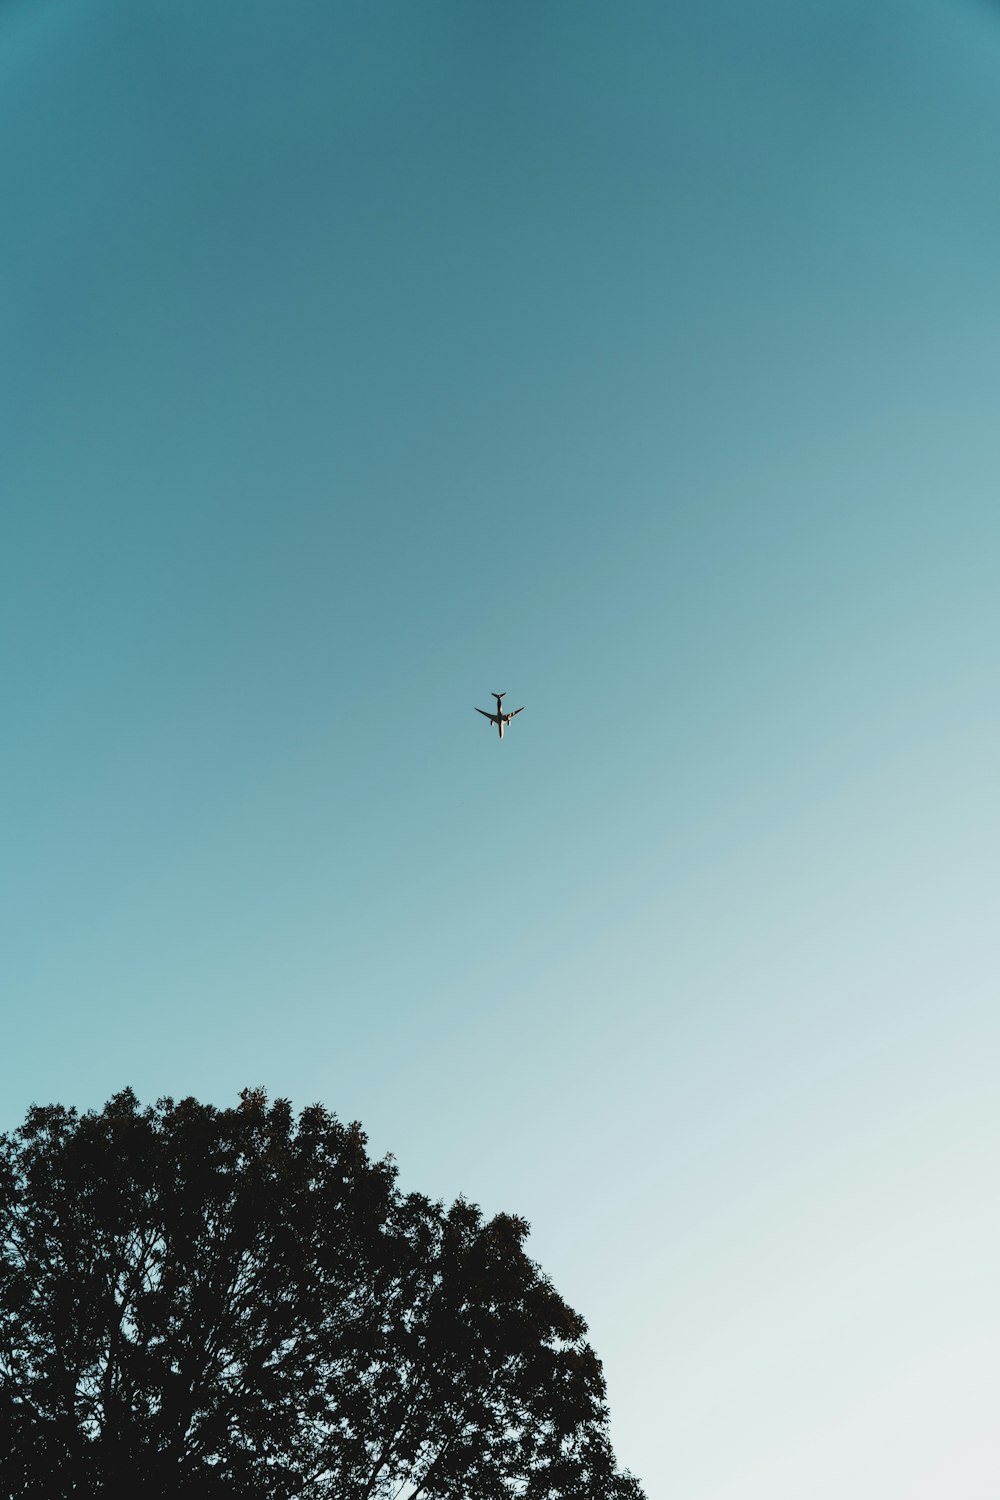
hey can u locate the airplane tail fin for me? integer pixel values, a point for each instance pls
(498, 696)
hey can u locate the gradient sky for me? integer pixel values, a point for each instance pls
(640, 360)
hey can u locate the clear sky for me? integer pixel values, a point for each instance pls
(641, 360)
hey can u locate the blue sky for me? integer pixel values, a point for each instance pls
(641, 361)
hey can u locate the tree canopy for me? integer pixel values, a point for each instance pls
(241, 1303)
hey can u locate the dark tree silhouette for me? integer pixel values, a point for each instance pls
(234, 1303)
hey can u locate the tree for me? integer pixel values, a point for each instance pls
(234, 1303)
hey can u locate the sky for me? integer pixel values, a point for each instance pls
(641, 361)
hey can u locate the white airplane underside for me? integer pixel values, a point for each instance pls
(500, 719)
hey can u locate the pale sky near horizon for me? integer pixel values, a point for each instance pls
(639, 360)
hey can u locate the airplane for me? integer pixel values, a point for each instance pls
(501, 720)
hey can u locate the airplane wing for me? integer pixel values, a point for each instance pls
(518, 710)
(492, 717)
